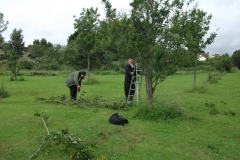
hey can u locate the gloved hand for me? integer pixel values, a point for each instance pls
(78, 88)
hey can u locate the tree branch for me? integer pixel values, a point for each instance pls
(44, 123)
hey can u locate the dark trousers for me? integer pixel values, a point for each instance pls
(73, 92)
(126, 90)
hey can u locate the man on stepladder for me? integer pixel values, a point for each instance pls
(130, 71)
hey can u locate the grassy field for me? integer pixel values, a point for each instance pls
(201, 136)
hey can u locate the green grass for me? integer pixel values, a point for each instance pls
(200, 136)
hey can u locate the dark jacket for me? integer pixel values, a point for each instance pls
(128, 70)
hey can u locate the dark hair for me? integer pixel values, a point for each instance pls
(82, 72)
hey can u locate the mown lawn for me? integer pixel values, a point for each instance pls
(201, 136)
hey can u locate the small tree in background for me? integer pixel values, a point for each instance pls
(14, 50)
(86, 26)
(195, 26)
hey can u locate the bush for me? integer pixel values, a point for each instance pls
(213, 77)
(54, 65)
(236, 58)
(160, 112)
(3, 92)
(26, 63)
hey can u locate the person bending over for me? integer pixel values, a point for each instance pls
(74, 81)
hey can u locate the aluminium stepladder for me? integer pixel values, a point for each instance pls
(137, 81)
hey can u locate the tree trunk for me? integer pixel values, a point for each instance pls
(88, 73)
(195, 72)
(149, 90)
(15, 76)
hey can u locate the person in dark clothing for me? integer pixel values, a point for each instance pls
(130, 71)
(74, 81)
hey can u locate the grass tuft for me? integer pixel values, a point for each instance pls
(3, 92)
(91, 81)
(198, 89)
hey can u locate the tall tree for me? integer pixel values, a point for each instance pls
(86, 26)
(110, 33)
(195, 24)
(14, 50)
(149, 39)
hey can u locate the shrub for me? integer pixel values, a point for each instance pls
(160, 112)
(121, 105)
(54, 65)
(26, 63)
(236, 58)
(3, 92)
(212, 77)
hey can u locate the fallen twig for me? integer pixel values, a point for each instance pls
(44, 123)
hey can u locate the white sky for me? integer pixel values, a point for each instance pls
(53, 19)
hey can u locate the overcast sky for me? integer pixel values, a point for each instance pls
(53, 19)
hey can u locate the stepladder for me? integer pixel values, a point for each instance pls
(135, 86)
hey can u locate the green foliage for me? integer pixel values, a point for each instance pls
(193, 25)
(26, 63)
(215, 111)
(87, 25)
(95, 101)
(42, 115)
(4, 92)
(54, 65)
(46, 55)
(21, 79)
(122, 105)
(64, 142)
(233, 70)
(46, 63)
(3, 23)
(13, 50)
(160, 111)
(40, 48)
(213, 77)
(223, 63)
(3, 66)
(70, 144)
(236, 58)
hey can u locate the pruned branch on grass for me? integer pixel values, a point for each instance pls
(44, 118)
(73, 145)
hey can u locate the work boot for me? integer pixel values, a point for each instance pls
(130, 98)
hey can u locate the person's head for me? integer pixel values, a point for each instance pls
(82, 74)
(130, 61)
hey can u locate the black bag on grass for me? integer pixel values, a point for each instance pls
(118, 119)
